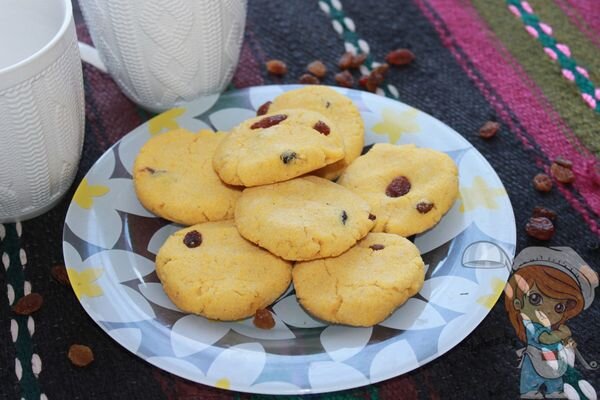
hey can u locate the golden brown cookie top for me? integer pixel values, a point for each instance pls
(174, 179)
(210, 270)
(335, 106)
(278, 146)
(303, 219)
(364, 285)
(408, 188)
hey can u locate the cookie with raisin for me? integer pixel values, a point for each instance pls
(335, 106)
(409, 188)
(364, 285)
(278, 146)
(210, 270)
(174, 179)
(303, 218)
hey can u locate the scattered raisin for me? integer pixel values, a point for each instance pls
(287, 156)
(309, 79)
(399, 186)
(344, 217)
(562, 174)
(262, 110)
(381, 69)
(539, 211)
(322, 128)
(358, 60)
(263, 319)
(60, 275)
(542, 183)
(80, 355)
(192, 239)
(372, 217)
(489, 130)
(424, 207)
(373, 81)
(151, 170)
(362, 82)
(563, 162)
(276, 67)
(540, 228)
(345, 61)
(376, 247)
(400, 57)
(344, 79)
(317, 68)
(269, 121)
(327, 104)
(28, 304)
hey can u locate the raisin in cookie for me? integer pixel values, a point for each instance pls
(210, 270)
(408, 188)
(174, 179)
(363, 286)
(338, 108)
(277, 147)
(303, 219)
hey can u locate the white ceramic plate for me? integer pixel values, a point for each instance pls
(110, 242)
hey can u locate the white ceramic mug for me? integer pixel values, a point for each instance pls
(165, 53)
(41, 106)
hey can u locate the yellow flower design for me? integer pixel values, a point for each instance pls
(85, 193)
(394, 124)
(479, 195)
(223, 383)
(489, 300)
(83, 282)
(166, 120)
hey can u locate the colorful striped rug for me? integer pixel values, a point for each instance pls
(534, 67)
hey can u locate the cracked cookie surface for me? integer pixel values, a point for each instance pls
(335, 106)
(210, 270)
(303, 219)
(278, 146)
(174, 179)
(408, 188)
(364, 285)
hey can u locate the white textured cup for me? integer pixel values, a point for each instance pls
(165, 53)
(41, 106)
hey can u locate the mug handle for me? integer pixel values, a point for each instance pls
(90, 56)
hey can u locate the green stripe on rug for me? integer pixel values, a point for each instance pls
(584, 51)
(23, 346)
(336, 13)
(564, 95)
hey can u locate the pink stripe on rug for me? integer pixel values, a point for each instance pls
(579, 21)
(589, 11)
(524, 99)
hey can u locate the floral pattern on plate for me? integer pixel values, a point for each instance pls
(110, 242)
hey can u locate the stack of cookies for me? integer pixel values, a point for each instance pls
(262, 210)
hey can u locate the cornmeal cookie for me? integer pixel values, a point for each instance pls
(174, 179)
(303, 219)
(210, 270)
(408, 188)
(335, 106)
(363, 286)
(277, 147)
